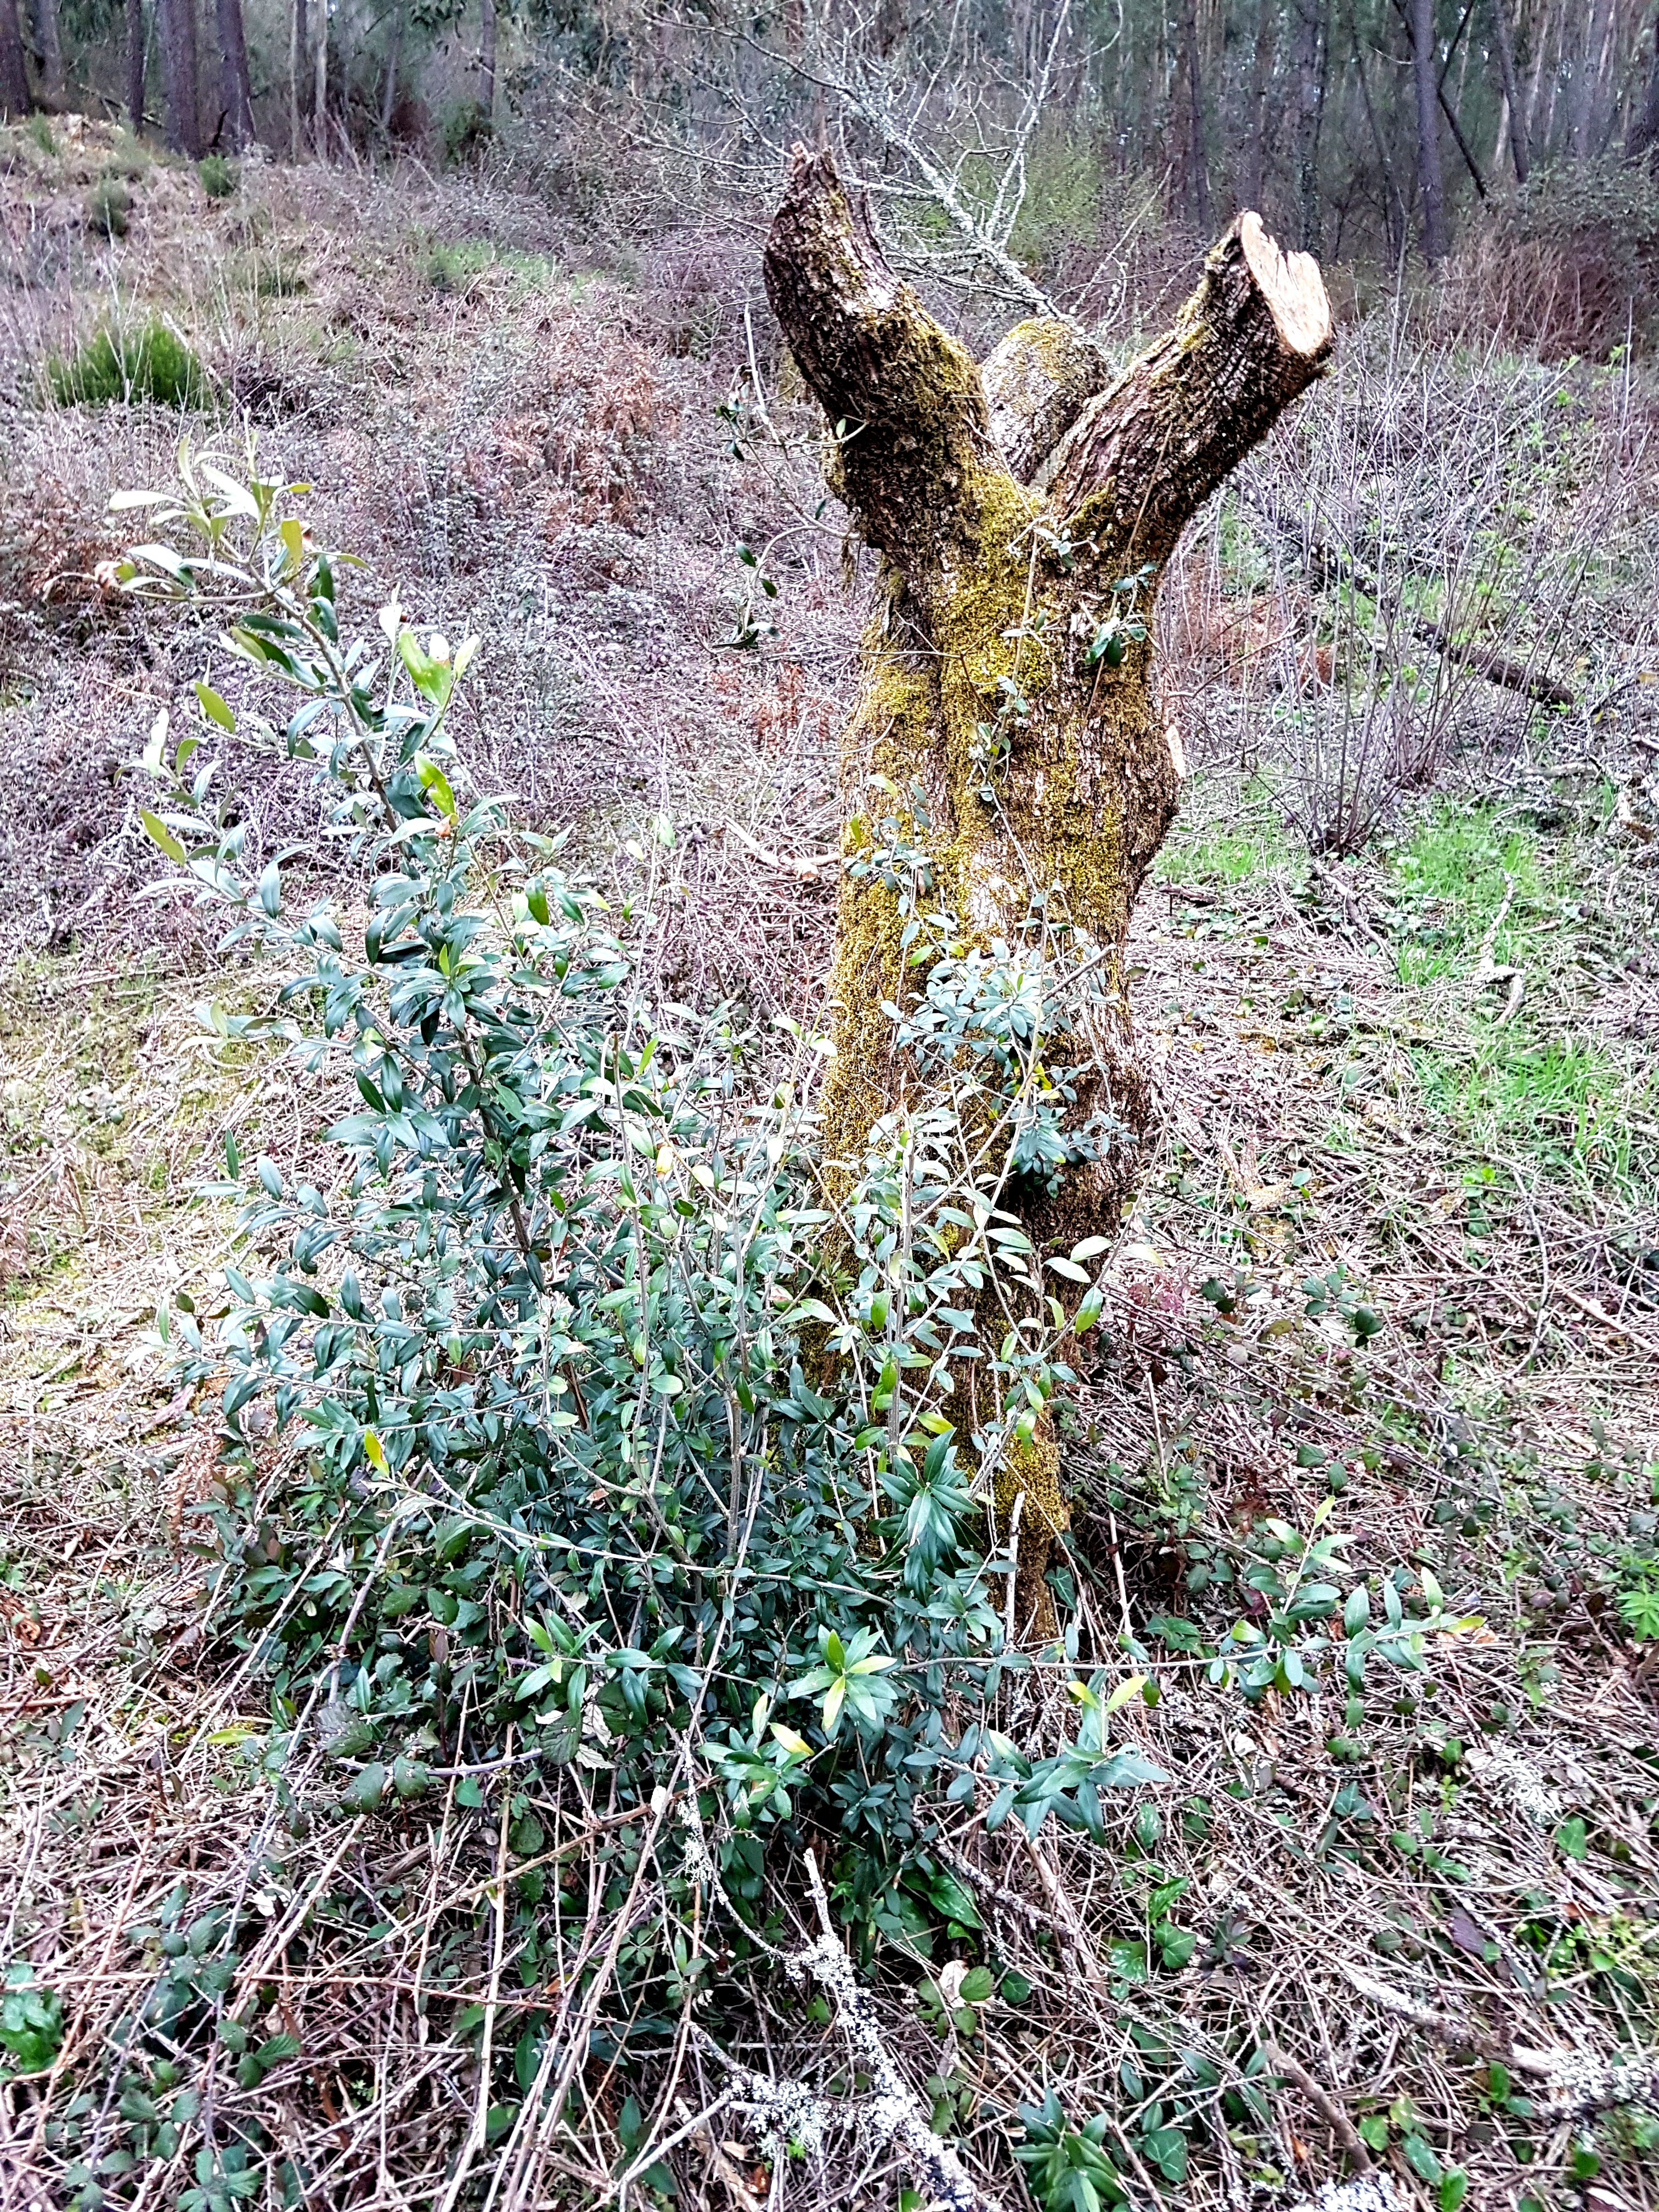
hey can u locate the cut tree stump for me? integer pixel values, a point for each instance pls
(1006, 730)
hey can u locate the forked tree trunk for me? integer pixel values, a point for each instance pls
(1007, 505)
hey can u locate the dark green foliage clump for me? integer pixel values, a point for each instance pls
(615, 1433)
(151, 363)
(109, 205)
(219, 179)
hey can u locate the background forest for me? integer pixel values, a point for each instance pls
(514, 1687)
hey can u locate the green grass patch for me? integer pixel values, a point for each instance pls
(109, 206)
(1563, 1104)
(450, 266)
(1456, 870)
(219, 179)
(1218, 853)
(152, 362)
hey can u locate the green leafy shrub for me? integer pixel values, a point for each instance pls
(464, 129)
(452, 267)
(109, 206)
(1639, 1593)
(625, 1440)
(1566, 263)
(219, 179)
(151, 363)
(31, 2022)
(1067, 2167)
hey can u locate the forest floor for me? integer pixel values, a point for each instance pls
(1393, 1272)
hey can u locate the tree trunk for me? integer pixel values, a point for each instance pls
(235, 87)
(394, 56)
(1642, 143)
(176, 22)
(1313, 60)
(1506, 43)
(1261, 62)
(50, 45)
(1195, 96)
(1019, 770)
(1420, 23)
(319, 86)
(298, 57)
(1586, 80)
(487, 59)
(1394, 210)
(135, 66)
(14, 72)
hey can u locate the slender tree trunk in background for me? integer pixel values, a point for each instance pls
(176, 24)
(487, 57)
(320, 86)
(979, 606)
(235, 89)
(298, 57)
(50, 46)
(1256, 120)
(1312, 59)
(1642, 143)
(1504, 39)
(1430, 178)
(1195, 94)
(1586, 81)
(135, 10)
(13, 69)
(1394, 205)
(394, 55)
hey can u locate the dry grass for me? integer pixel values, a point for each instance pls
(1342, 1088)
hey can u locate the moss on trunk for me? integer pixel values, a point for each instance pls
(1020, 767)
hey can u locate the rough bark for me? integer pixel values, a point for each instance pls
(1512, 100)
(14, 73)
(236, 87)
(176, 25)
(135, 66)
(1006, 507)
(1420, 24)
